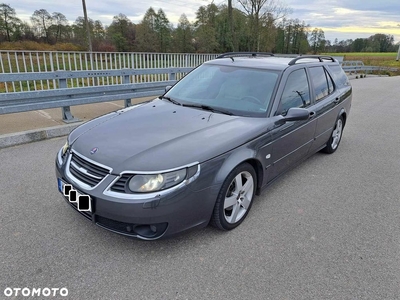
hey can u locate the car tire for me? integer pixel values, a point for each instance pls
(235, 198)
(336, 137)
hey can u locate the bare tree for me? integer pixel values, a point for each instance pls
(60, 22)
(257, 10)
(42, 20)
(8, 20)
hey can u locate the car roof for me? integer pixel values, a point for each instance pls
(267, 62)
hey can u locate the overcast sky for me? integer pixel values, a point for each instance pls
(341, 19)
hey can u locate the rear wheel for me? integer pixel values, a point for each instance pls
(336, 137)
(235, 198)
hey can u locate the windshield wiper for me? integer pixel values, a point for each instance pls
(209, 108)
(170, 100)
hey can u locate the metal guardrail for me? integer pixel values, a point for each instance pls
(51, 61)
(64, 96)
(358, 66)
(369, 69)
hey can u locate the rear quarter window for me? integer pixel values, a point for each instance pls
(322, 82)
(339, 76)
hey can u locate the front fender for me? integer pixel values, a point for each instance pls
(232, 160)
(214, 171)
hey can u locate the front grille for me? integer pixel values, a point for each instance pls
(120, 185)
(126, 228)
(85, 171)
(86, 214)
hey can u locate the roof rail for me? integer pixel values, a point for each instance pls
(321, 58)
(237, 54)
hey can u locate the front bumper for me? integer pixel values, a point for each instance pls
(183, 209)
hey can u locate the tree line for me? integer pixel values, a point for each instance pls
(259, 25)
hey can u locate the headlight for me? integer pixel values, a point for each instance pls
(156, 182)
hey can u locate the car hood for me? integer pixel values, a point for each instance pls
(159, 135)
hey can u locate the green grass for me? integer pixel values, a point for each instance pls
(369, 54)
(372, 58)
(387, 59)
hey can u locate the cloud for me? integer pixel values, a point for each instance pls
(345, 19)
(105, 10)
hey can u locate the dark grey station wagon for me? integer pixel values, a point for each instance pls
(199, 153)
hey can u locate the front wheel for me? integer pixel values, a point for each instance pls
(235, 198)
(334, 140)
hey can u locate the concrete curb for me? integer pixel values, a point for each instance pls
(13, 139)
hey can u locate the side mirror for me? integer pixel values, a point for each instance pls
(167, 88)
(294, 114)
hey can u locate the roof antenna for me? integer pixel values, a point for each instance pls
(232, 59)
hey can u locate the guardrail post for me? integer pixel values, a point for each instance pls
(172, 76)
(126, 81)
(67, 116)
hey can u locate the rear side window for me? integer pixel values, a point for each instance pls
(296, 92)
(339, 75)
(322, 82)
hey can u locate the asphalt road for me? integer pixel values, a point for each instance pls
(329, 229)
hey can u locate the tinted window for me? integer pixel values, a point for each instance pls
(322, 82)
(296, 92)
(339, 75)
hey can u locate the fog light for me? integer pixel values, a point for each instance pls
(150, 230)
(153, 228)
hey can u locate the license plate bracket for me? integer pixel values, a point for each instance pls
(82, 201)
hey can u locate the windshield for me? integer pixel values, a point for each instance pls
(240, 91)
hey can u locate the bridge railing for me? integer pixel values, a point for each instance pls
(62, 95)
(51, 61)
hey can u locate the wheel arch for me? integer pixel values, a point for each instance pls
(245, 155)
(258, 168)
